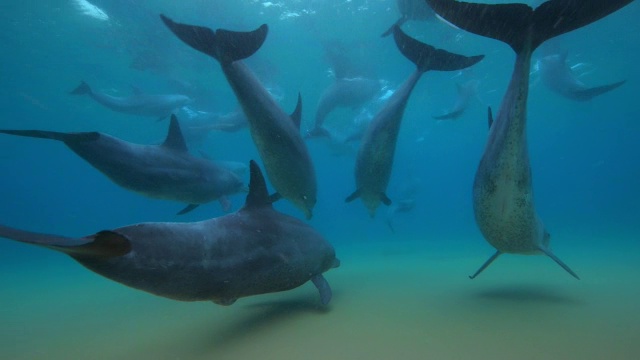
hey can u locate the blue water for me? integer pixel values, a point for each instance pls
(585, 162)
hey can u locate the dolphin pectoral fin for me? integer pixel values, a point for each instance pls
(486, 264)
(385, 199)
(52, 135)
(590, 93)
(225, 302)
(275, 197)
(558, 261)
(296, 115)
(323, 287)
(450, 115)
(187, 209)
(355, 195)
(225, 203)
(490, 117)
(399, 22)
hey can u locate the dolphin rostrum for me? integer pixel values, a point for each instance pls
(166, 171)
(157, 106)
(502, 190)
(275, 133)
(255, 250)
(375, 155)
(559, 77)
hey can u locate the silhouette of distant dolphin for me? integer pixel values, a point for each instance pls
(375, 155)
(275, 134)
(256, 250)
(158, 106)
(411, 10)
(502, 190)
(558, 76)
(165, 171)
(466, 91)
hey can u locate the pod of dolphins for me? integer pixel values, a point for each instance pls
(258, 250)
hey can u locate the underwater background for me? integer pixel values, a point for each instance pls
(403, 293)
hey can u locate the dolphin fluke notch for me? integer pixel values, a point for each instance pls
(102, 244)
(82, 89)
(53, 135)
(521, 26)
(223, 45)
(258, 195)
(590, 93)
(427, 57)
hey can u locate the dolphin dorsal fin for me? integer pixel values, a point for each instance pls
(296, 115)
(175, 140)
(258, 194)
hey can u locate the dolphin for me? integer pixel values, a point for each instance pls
(375, 155)
(466, 92)
(275, 134)
(166, 171)
(253, 251)
(157, 106)
(344, 92)
(417, 10)
(502, 190)
(407, 195)
(558, 76)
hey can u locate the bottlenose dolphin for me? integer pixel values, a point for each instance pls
(165, 171)
(417, 10)
(502, 190)
(466, 92)
(407, 200)
(157, 106)
(253, 251)
(275, 134)
(375, 155)
(558, 76)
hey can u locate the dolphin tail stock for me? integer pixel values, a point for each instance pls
(590, 93)
(519, 25)
(53, 135)
(102, 244)
(427, 57)
(486, 264)
(558, 261)
(223, 45)
(82, 89)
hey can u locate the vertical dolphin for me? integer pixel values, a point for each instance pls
(375, 156)
(502, 190)
(275, 133)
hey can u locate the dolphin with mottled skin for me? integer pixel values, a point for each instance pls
(375, 155)
(166, 171)
(275, 133)
(466, 92)
(253, 251)
(417, 10)
(502, 190)
(157, 106)
(558, 76)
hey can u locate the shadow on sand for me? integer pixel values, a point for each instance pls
(527, 294)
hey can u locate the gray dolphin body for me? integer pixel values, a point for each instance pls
(275, 133)
(157, 106)
(466, 92)
(375, 155)
(417, 10)
(502, 190)
(165, 171)
(256, 250)
(558, 76)
(344, 92)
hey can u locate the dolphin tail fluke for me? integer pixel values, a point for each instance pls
(486, 264)
(53, 135)
(519, 25)
(102, 244)
(427, 57)
(559, 262)
(323, 287)
(82, 89)
(223, 45)
(590, 93)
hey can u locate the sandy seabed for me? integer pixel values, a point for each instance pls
(391, 301)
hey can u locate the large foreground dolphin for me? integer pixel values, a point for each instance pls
(256, 250)
(157, 106)
(559, 77)
(375, 155)
(165, 171)
(502, 191)
(275, 133)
